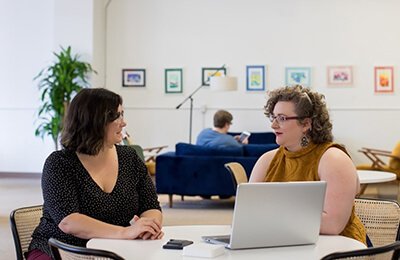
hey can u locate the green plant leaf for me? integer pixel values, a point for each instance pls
(58, 82)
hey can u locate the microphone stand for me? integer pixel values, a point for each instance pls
(190, 97)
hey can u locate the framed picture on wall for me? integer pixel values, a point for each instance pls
(340, 75)
(206, 73)
(298, 76)
(173, 81)
(384, 79)
(133, 77)
(255, 78)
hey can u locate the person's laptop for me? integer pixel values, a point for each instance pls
(275, 214)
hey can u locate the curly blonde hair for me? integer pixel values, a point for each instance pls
(308, 104)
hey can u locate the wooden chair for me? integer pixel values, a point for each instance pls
(148, 155)
(62, 250)
(23, 222)
(237, 172)
(378, 160)
(391, 251)
(381, 219)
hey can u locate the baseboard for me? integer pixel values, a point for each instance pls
(21, 175)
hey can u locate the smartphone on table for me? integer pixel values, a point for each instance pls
(177, 244)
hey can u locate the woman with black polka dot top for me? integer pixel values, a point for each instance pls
(94, 187)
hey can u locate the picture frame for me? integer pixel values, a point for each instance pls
(384, 82)
(133, 77)
(340, 75)
(255, 78)
(298, 76)
(206, 73)
(173, 81)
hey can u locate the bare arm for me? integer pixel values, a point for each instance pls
(86, 227)
(337, 169)
(260, 168)
(153, 214)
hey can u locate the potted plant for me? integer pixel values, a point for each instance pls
(58, 83)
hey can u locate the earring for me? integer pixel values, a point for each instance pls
(304, 141)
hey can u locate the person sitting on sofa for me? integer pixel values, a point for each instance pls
(307, 152)
(218, 137)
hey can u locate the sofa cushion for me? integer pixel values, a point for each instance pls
(191, 149)
(256, 150)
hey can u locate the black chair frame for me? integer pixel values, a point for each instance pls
(55, 245)
(14, 230)
(395, 247)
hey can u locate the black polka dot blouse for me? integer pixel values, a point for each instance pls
(67, 188)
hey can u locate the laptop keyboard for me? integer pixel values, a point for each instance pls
(224, 240)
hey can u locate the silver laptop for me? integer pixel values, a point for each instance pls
(275, 214)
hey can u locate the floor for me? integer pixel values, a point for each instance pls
(19, 192)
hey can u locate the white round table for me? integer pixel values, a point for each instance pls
(152, 249)
(367, 176)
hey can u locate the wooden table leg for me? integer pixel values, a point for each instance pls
(362, 190)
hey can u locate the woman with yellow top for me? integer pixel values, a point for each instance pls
(303, 130)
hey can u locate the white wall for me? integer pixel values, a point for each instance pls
(159, 34)
(26, 40)
(29, 32)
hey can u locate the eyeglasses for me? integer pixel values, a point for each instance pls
(119, 116)
(281, 119)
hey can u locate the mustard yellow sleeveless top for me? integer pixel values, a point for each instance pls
(296, 166)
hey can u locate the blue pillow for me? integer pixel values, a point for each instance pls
(256, 150)
(191, 149)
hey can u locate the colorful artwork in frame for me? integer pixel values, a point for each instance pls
(133, 77)
(298, 76)
(384, 79)
(173, 81)
(340, 75)
(255, 78)
(206, 73)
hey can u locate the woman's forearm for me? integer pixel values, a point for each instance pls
(153, 213)
(85, 227)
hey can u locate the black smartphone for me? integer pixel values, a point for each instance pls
(177, 244)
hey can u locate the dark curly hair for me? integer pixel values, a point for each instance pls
(90, 111)
(308, 104)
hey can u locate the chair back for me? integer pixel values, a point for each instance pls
(394, 161)
(381, 219)
(391, 251)
(64, 251)
(23, 222)
(237, 172)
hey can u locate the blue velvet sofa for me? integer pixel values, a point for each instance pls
(199, 171)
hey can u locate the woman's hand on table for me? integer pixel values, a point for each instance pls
(146, 228)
